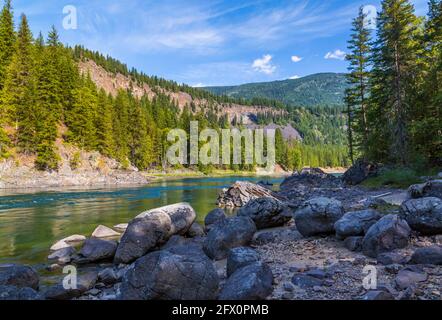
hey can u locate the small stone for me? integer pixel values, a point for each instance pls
(108, 276)
(392, 258)
(104, 232)
(317, 273)
(287, 296)
(94, 292)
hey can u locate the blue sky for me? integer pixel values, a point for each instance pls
(199, 42)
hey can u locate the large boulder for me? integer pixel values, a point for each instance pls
(96, 250)
(177, 273)
(252, 282)
(389, 233)
(153, 228)
(356, 223)
(423, 215)
(10, 293)
(359, 172)
(430, 255)
(432, 188)
(213, 217)
(317, 216)
(228, 234)
(241, 192)
(19, 276)
(239, 258)
(266, 212)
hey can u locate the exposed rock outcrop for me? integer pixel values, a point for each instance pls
(241, 192)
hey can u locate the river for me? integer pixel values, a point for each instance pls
(32, 220)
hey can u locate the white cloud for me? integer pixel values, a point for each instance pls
(294, 77)
(199, 85)
(264, 65)
(296, 59)
(337, 54)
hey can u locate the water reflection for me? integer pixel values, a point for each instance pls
(31, 220)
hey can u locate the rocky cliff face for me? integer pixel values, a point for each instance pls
(111, 83)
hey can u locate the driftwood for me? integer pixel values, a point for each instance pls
(241, 192)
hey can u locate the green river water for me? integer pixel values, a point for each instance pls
(32, 220)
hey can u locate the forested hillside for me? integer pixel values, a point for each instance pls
(46, 98)
(394, 104)
(323, 89)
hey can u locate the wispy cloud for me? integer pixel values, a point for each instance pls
(294, 77)
(296, 59)
(337, 54)
(264, 65)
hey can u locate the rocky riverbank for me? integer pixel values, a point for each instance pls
(317, 238)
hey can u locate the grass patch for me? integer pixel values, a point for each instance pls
(398, 178)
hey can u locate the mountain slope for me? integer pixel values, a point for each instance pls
(322, 89)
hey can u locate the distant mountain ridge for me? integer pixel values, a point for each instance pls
(321, 89)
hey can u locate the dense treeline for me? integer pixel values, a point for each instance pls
(395, 101)
(45, 100)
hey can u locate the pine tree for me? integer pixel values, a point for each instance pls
(357, 94)
(394, 73)
(104, 125)
(19, 88)
(81, 118)
(7, 39)
(427, 118)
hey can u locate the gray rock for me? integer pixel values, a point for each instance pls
(359, 172)
(266, 212)
(10, 293)
(318, 216)
(178, 273)
(228, 234)
(430, 255)
(240, 193)
(239, 258)
(153, 228)
(96, 250)
(19, 276)
(62, 256)
(281, 235)
(317, 273)
(85, 283)
(388, 234)
(305, 281)
(213, 217)
(104, 232)
(354, 243)
(409, 277)
(196, 230)
(389, 258)
(423, 215)
(252, 282)
(108, 276)
(432, 188)
(374, 295)
(67, 242)
(356, 223)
